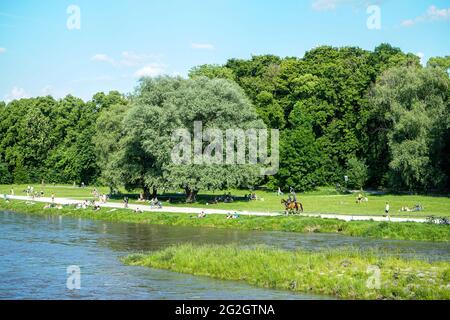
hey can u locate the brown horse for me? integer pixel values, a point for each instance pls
(292, 206)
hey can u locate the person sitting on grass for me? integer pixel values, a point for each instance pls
(202, 215)
(359, 198)
(235, 215)
(229, 216)
(138, 210)
(96, 206)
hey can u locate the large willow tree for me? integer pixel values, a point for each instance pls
(141, 155)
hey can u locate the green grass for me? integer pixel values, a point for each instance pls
(383, 230)
(341, 273)
(323, 200)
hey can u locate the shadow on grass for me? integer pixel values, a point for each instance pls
(179, 198)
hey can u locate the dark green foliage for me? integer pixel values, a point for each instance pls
(321, 104)
(377, 116)
(42, 139)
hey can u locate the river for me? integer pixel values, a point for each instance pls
(35, 252)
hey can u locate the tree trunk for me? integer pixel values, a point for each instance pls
(190, 194)
(154, 193)
(146, 192)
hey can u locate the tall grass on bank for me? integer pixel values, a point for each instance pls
(382, 230)
(349, 273)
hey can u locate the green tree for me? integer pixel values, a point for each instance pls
(357, 173)
(410, 104)
(439, 62)
(212, 71)
(165, 104)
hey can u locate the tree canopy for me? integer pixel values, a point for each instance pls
(378, 117)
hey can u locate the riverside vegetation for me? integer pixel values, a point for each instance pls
(383, 230)
(344, 273)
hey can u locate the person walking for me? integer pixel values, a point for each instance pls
(279, 192)
(386, 210)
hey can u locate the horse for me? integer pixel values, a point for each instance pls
(292, 206)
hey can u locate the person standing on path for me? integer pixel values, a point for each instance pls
(53, 197)
(386, 210)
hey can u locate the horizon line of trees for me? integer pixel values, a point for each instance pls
(378, 117)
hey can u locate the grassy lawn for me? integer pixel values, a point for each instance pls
(324, 200)
(373, 229)
(343, 273)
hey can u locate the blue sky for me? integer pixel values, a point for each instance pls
(118, 41)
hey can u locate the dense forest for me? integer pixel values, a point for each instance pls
(378, 117)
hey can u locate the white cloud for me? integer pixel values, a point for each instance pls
(432, 14)
(321, 5)
(16, 93)
(128, 59)
(102, 58)
(147, 65)
(422, 57)
(2, 50)
(132, 59)
(47, 90)
(202, 46)
(328, 5)
(151, 70)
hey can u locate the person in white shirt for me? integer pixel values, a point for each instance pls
(386, 209)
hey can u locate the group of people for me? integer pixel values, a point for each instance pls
(154, 202)
(30, 192)
(53, 206)
(87, 204)
(225, 198)
(102, 198)
(235, 215)
(361, 198)
(417, 207)
(251, 196)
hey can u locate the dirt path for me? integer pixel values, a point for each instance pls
(146, 207)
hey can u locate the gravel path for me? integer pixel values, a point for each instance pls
(146, 207)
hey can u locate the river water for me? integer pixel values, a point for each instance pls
(36, 251)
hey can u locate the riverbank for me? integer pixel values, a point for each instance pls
(323, 201)
(348, 274)
(373, 229)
